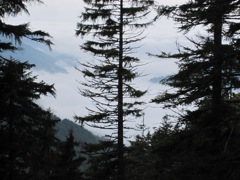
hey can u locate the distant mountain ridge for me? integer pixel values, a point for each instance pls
(80, 134)
(41, 56)
(157, 79)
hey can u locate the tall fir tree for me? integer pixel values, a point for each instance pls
(208, 78)
(26, 129)
(114, 26)
(210, 69)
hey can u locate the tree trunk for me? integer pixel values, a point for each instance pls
(217, 67)
(120, 100)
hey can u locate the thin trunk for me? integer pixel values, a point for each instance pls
(120, 100)
(10, 140)
(217, 69)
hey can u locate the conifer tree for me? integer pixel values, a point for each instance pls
(69, 160)
(210, 68)
(208, 79)
(17, 32)
(44, 159)
(24, 126)
(26, 129)
(139, 159)
(101, 159)
(114, 26)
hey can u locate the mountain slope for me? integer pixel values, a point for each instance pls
(41, 56)
(80, 134)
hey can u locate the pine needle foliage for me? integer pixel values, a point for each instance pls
(9, 8)
(209, 66)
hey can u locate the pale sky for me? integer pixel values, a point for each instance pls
(59, 18)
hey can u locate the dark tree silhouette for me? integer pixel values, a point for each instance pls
(17, 32)
(26, 129)
(69, 161)
(208, 79)
(114, 26)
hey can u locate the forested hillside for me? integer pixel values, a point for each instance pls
(80, 134)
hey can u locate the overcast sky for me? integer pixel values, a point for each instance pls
(59, 18)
